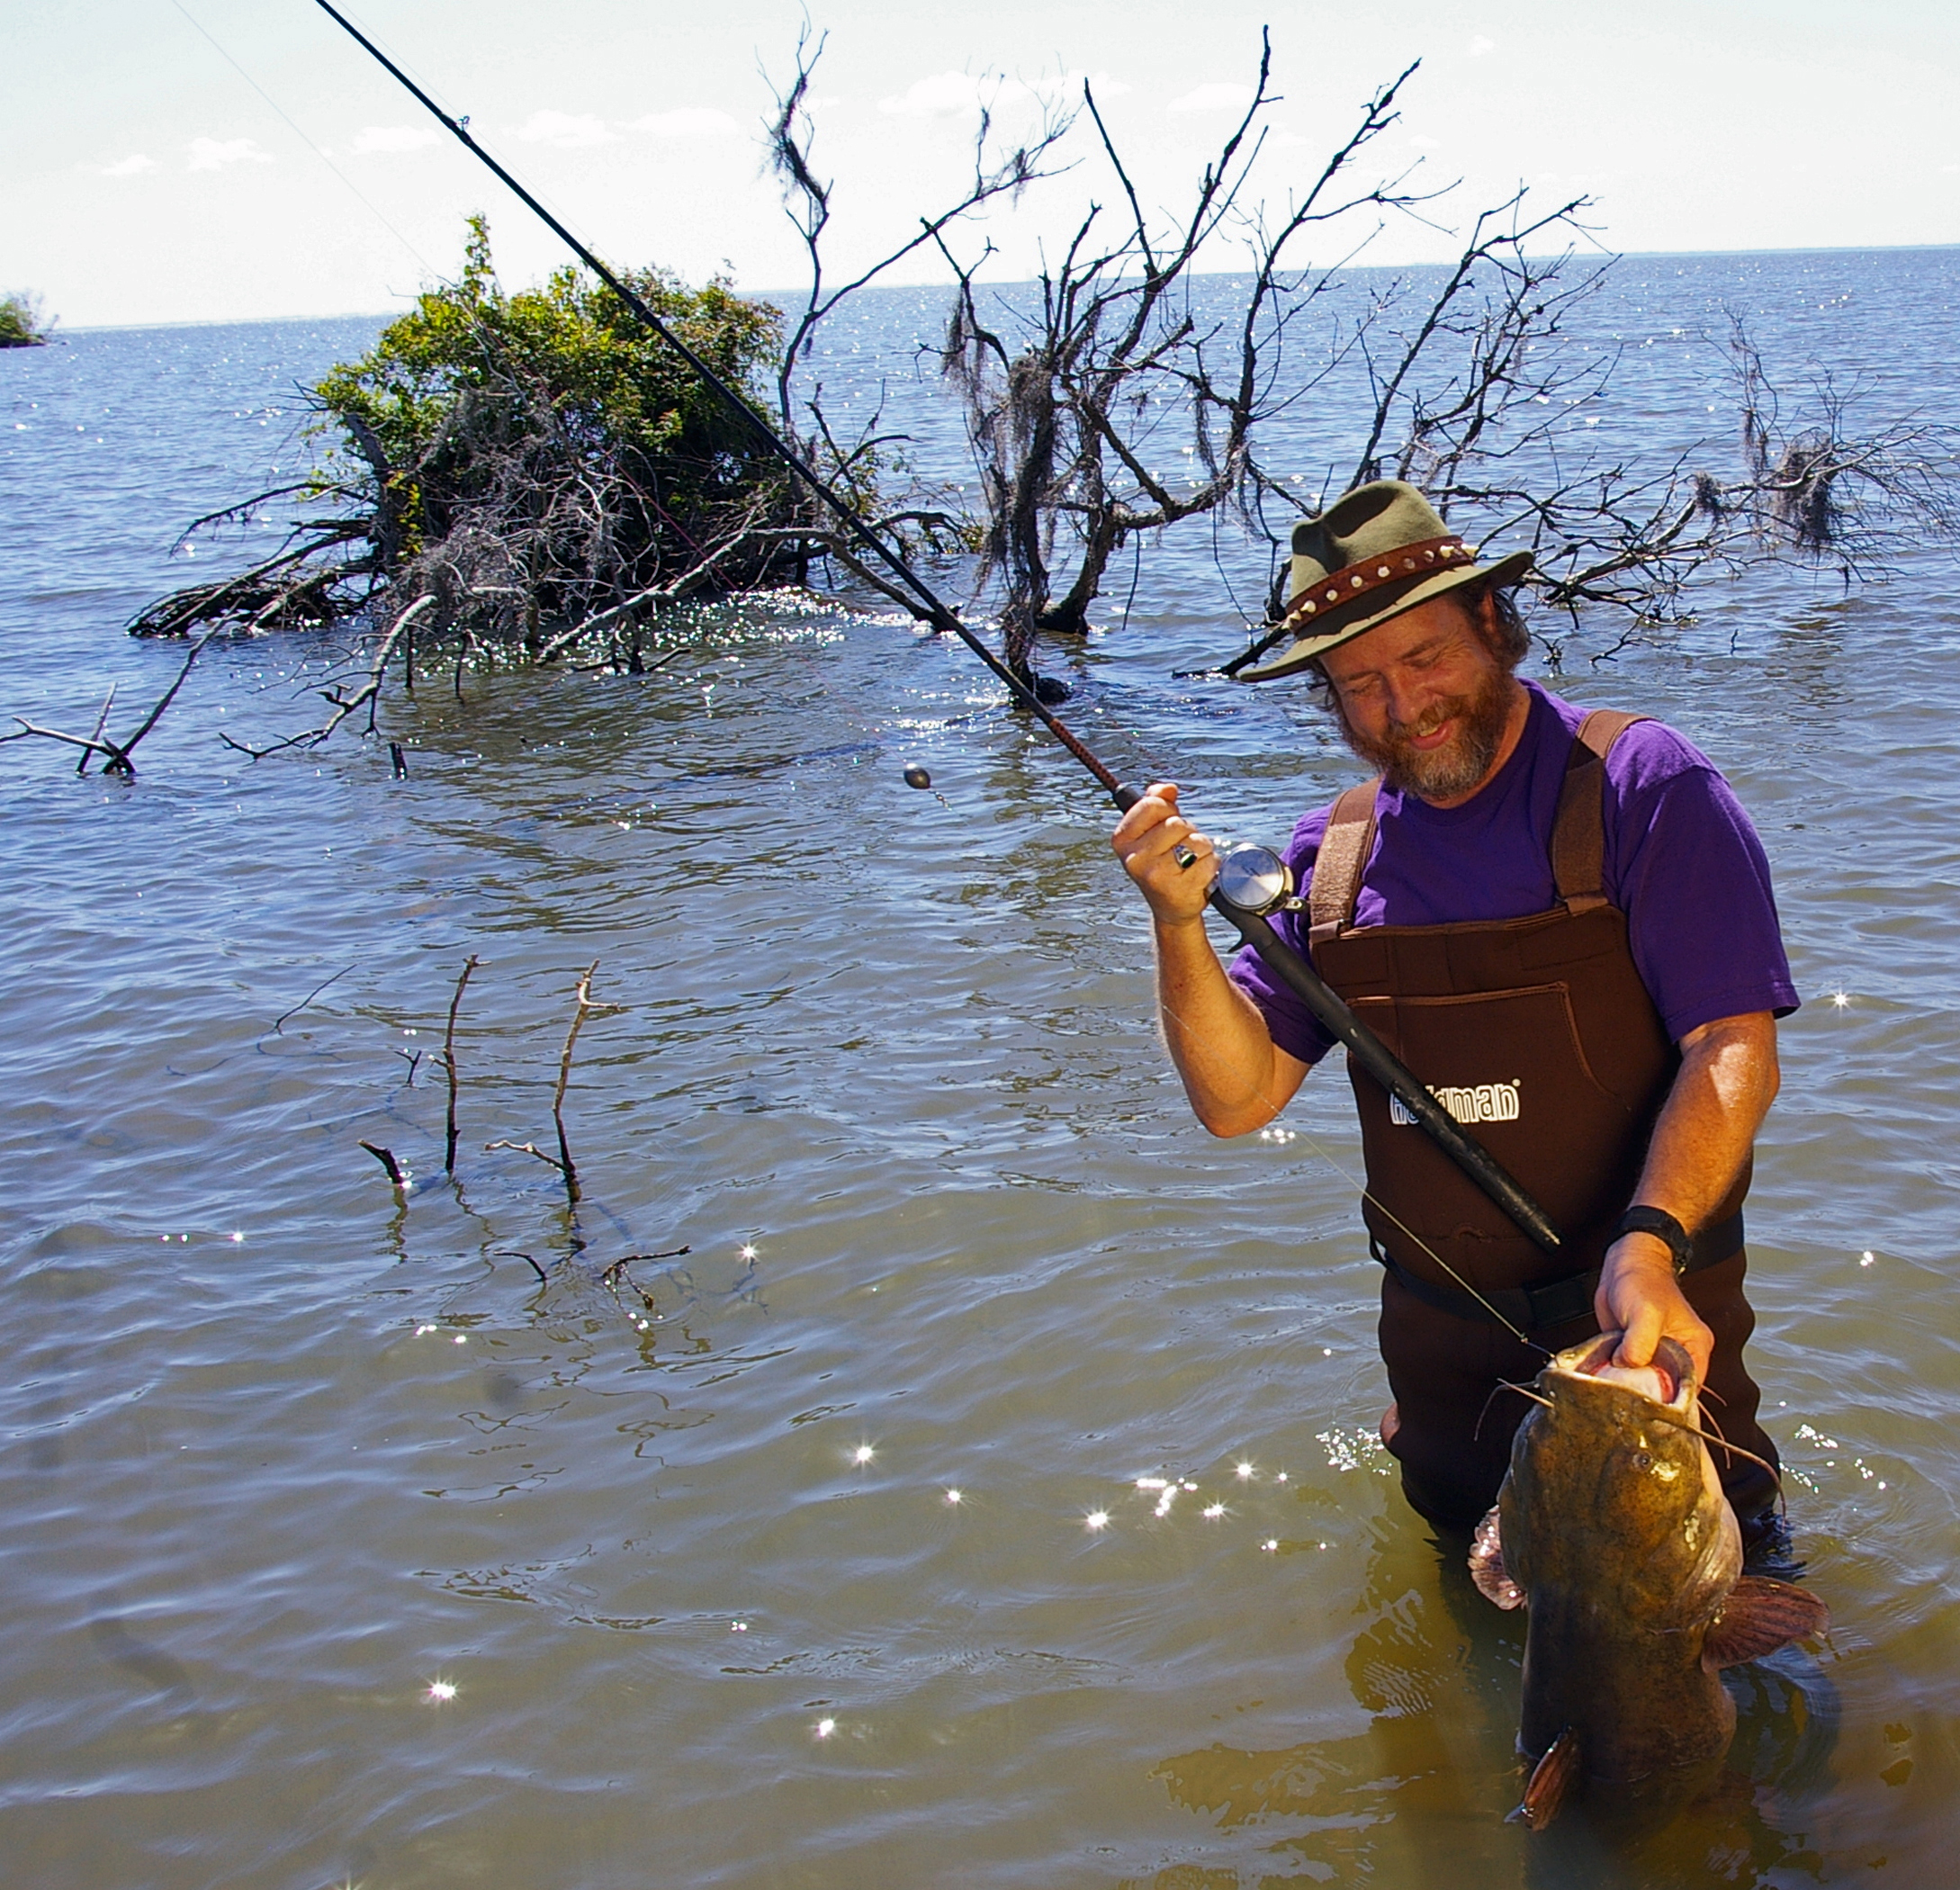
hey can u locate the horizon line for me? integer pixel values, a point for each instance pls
(220, 322)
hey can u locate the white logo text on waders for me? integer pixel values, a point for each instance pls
(1486, 1102)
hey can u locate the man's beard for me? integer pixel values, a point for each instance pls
(1452, 771)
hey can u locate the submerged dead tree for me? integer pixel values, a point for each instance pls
(859, 458)
(522, 475)
(1075, 406)
(1476, 380)
(117, 758)
(1517, 452)
(534, 462)
(1483, 388)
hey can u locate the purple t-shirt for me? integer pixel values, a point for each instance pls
(1681, 862)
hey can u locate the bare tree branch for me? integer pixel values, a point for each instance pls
(367, 696)
(1068, 418)
(115, 754)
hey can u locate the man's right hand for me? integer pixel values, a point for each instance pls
(1236, 1078)
(1154, 843)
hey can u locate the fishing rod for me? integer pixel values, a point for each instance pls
(1259, 882)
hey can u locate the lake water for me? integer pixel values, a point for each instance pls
(338, 1548)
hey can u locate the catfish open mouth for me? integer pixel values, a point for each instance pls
(1669, 1379)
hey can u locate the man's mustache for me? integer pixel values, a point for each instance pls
(1427, 723)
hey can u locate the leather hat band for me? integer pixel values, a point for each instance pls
(1356, 580)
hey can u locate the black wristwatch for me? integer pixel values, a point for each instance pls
(1664, 1227)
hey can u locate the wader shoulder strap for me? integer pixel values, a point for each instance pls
(1344, 853)
(1579, 835)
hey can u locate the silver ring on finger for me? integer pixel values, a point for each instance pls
(1184, 856)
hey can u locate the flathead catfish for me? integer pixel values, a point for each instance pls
(1613, 1531)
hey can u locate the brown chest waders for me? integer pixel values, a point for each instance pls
(1538, 1034)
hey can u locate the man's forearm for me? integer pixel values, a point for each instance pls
(1721, 1093)
(1237, 1078)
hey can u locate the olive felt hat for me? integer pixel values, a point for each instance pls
(1373, 553)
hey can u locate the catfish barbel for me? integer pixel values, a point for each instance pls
(1613, 1531)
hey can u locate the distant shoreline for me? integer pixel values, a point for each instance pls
(1630, 256)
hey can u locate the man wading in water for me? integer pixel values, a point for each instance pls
(1562, 923)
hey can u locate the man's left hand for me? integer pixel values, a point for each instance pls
(1639, 1297)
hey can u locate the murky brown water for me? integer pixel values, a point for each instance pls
(283, 1460)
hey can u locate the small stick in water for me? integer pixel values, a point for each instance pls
(449, 1061)
(586, 1007)
(386, 1158)
(309, 998)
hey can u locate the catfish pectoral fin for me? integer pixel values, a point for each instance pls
(1553, 1777)
(1487, 1565)
(1760, 1616)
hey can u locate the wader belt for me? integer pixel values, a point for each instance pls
(1554, 1302)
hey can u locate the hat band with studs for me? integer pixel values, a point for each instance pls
(1357, 579)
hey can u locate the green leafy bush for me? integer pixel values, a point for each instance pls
(534, 461)
(22, 322)
(551, 420)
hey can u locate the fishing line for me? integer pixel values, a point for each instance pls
(1361, 1188)
(1320, 1149)
(303, 139)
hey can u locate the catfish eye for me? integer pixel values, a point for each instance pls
(1642, 1460)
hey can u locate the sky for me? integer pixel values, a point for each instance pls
(197, 160)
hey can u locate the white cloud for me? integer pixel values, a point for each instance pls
(395, 138)
(1479, 45)
(952, 94)
(687, 121)
(961, 95)
(563, 129)
(212, 154)
(131, 166)
(1068, 87)
(1220, 95)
